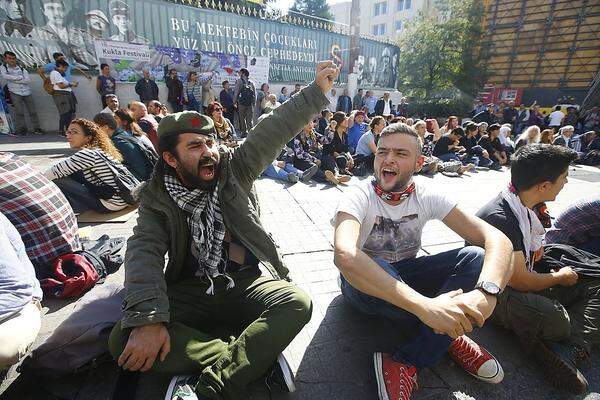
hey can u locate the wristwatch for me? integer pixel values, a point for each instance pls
(489, 288)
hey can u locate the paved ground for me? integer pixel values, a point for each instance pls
(332, 356)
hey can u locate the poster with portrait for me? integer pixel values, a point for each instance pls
(259, 70)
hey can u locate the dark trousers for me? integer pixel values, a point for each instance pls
(79, 195)
(230, 338)
(64, 121)
(304, 165)
(331, 163)
(430, 276)
(176, 106)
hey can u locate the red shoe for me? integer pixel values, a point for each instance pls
(395, 381)
(476, 360)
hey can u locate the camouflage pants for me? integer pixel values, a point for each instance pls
(555, 314)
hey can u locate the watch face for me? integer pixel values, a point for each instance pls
(490, 287)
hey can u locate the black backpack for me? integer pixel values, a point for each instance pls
(126, 182)
(150, 155)
(246, 95)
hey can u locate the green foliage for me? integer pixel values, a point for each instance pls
(441, 107)
(442, 51)
(314, 8)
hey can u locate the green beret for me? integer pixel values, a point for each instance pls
(185, 122)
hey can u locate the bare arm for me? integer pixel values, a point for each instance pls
(527, 281)
(442, 313)
(497, 266)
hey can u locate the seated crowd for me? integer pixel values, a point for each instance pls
(206, 315)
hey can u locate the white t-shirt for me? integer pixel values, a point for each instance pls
(386, 107)
(556, 118)
(55, 78)
(393, 233)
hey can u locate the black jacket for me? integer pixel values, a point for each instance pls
(147, 90)
(380, 105)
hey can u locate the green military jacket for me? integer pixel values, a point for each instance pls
(162, 227)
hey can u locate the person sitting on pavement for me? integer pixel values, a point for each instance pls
(20, 296)
(476, 154)
(306, 160)
(201, 208)
(530, 135)
(146, 121)
(447, 148)
(157, 109)
(357, 127)
(435, 299)
(367, 144)
(39, 211)
(578, 226)
(223, 127)
(565, 135)
(450, 125)
(481, 129)
(85, 178)
(126, 121)
(112, 104)
(336, 153)
(490, 143)
(133, 154)
(323, 121)
(555, 315)
(505, 140)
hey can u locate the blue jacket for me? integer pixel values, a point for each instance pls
(133, 158)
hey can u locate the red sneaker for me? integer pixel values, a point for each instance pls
(395, 381)
(476, 360)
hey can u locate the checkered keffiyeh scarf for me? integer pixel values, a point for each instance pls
(205, 222)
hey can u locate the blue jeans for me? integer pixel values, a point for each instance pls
(79, 195)
(275, 172)
(448, 157)
(430, 276)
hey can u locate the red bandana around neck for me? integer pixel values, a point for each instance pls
(392, 196)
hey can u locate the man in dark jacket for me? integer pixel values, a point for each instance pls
(226, 98)
(200, 206)
(175, 87)
(487, 115)
(510, 113)
(358, 102)
(146, 88)
(344, 102)
(384, 105)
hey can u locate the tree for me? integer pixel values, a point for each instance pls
(441, 52)
(314, 8)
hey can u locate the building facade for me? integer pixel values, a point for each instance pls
(383, 18)
(541, 50)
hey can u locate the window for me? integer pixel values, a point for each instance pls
(380, 8)
(379, 30)
(401, 5)
(407, 4)
(398, 26)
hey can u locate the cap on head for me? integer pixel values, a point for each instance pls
(118, 7)
(99, 14)
(185, 122)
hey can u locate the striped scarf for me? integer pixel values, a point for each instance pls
(205, 222)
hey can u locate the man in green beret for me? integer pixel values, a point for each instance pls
(209, 313)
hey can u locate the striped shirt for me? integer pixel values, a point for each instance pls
(95, 171)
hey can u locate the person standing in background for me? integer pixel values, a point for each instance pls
(245, 99)
(227, 101)
(105, 84)
(175, 87)
(16, 78)
(146, 88)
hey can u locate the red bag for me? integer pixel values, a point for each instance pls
(73, 275)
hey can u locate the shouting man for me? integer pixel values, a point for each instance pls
(201, 208)
(437, 298)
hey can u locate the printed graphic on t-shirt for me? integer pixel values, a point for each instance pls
(394, 240)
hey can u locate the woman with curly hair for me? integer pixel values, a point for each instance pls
(86, 178)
